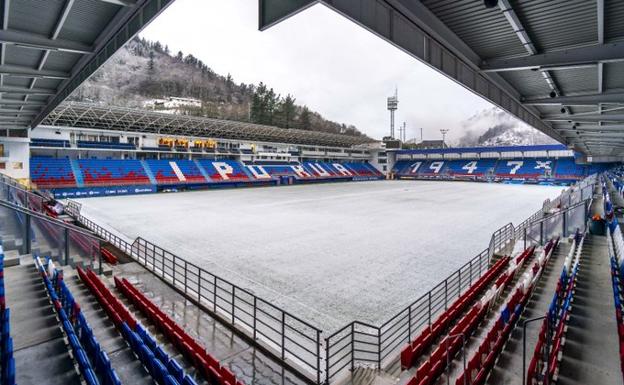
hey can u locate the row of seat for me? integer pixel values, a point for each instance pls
(411, 353)
(546, 355)
(164, 370)
(192, 350)
(431, 369)
(48, 172)
(615, 243)
(7, 361)
(502, 169)
(482, 362)
(93, 363)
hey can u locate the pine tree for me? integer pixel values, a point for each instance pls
(286, 112)
(151, 64)
(304, 118)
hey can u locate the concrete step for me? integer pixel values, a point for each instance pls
(126, 364)
(41, 352)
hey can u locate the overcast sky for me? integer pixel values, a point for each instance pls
(326, 61)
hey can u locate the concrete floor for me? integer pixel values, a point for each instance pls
(591, 352)
(250, 365)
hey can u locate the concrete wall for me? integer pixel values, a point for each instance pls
(16, 158)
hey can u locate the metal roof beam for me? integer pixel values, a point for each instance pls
(11, 102)
(584, 118)
(580, 100)
(25, 90)
(123, 3)
(30, 40)
(12, 70)
(593, 128)
(601, 29)
(613, 52)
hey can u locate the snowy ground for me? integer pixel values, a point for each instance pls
(330, 253)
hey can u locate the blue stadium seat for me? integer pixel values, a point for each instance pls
(48, 172)
(111, 172)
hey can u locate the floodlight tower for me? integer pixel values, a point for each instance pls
(393, 105)
(444, 131)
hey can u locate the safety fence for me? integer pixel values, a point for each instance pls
(290, 339)
(300, 345)
(28, 231)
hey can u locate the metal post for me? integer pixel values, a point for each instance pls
(214, 293)
(409, 323)
(565, 224)
(66, 239)
(379, 348)
(255, 307)
(352, 346)
(327, 361)
(524, 326)
(318, 356)
(541, 232)
(199, 285)
(27, 237)
(99, 251)
(429, 307)
(525, 238)
(233, 307)
(446, 292)
(283, 334)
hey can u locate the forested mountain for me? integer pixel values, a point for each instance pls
(144, 70)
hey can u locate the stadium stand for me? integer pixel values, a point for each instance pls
(482, 362)
(224, 170)
(547, 353)
(111, 172)
(41, 142)
(164, 370)
(560, 170)
(523, 168)
(7, 361)
(479, 167)
(410, 354)
(48, 172)
(164, 173)
(94, 364)
(105, 145)
(190, 348)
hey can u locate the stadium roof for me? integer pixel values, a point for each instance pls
(86, 115)
(480, 150)
(48, 48)
(557, 65)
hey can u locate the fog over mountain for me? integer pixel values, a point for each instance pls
(495, 127)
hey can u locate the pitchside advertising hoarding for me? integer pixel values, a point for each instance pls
(102, 191)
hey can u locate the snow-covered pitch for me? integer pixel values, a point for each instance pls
(328, 253)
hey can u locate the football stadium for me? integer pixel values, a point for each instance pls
(172, 243)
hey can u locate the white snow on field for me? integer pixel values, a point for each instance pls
(329, 253)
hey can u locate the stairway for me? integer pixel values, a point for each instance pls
(41, 355)
(149, 173)
(128, 367)
(508, 369)
(591, 352)
(77, 172)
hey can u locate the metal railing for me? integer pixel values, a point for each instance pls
(292, 340)
(297, 343)
(362, 343)
(64, 241)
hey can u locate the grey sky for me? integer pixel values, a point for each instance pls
(326, 61)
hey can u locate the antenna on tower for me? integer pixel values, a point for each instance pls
(393, 105)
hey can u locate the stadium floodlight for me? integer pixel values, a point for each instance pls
(393, 105)
(444, 131)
